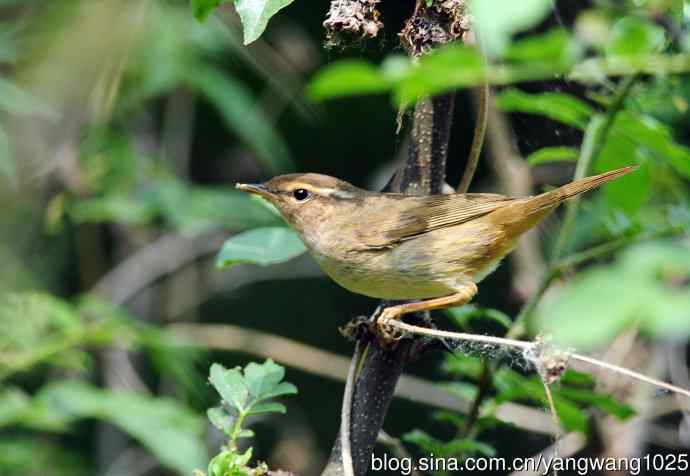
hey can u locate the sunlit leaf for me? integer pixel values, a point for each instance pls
(262, 246)
(634, 35)
(653, 295)
(557, 106)
(346, 78)
(552, 154)
(497, 20)
(255, 15)
(554, 46)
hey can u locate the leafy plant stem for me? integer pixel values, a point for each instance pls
(236, 430)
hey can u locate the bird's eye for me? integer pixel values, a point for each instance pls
(301, 194)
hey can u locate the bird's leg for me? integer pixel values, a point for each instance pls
(462, 296)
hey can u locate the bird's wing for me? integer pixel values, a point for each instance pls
(419, 215)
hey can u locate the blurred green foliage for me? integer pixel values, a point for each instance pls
(123, 123)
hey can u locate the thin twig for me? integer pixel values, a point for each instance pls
(526, 346)
(631, 373)
(554, 415)
(345, 447)
(477, 139)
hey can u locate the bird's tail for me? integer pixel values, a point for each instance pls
(552, 198)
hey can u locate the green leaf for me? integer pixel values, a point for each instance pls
(271, 407)
(512, 386)
(552, 154)
(221, 419)
(255, 15)
(346, 78)
(230, 385)
(172, 432)
(557, 106)
(202, 8)
(606, 403)
(461, 315)
(283, 388)
(653, 137)
(465, 391)
(450, 67)
(634, 35)
(261, 246)
(649, 296)
(112, 208)
(455, 447)
(241, 114)
(263, 378)
(462, 365)
(497, 20)
(555, 46)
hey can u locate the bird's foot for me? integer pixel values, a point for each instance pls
(387, 333)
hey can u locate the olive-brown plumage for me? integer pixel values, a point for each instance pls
(395, 246)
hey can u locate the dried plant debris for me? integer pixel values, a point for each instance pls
(436, 23)
(550, 362)
(352, 20)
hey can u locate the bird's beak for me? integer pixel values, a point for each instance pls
(255, 188)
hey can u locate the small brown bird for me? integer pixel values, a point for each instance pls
(392, 246)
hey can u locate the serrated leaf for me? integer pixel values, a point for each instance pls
(255, 15)
(546, 155)
(221, 419)
(263, 378)
(271, 407)
(230, 384)
(263, 246)
(283, 388)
